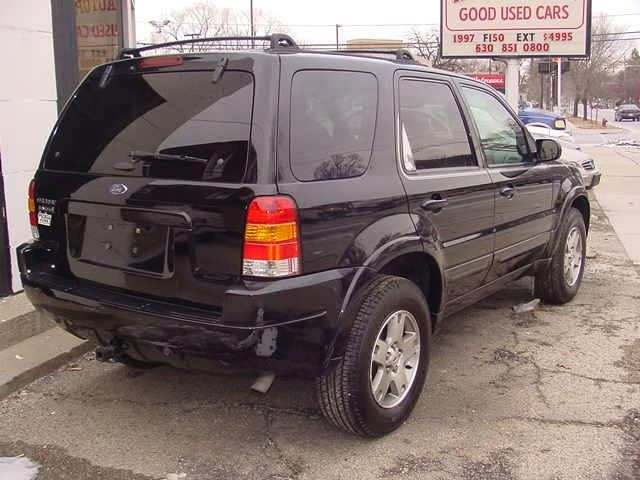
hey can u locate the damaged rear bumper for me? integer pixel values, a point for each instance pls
(284, 325)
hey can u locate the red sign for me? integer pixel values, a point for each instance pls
(496, 80)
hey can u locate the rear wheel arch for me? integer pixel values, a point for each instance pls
(423, 270)
(415, 265)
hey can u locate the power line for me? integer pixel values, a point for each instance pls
(622, 14)
(614, 33)
(618, 39)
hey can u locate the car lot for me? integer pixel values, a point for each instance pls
(551, 394)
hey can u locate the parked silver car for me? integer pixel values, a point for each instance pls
(571, 153)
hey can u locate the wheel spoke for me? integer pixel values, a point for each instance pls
(380, 384)
(399, 382)
(395, 330)
(410, 344)
(380, 352)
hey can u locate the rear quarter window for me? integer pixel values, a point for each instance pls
(333, 117)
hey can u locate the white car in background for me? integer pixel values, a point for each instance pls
(572, 154)
(542, 130)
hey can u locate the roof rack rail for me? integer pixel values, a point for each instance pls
(276, 40)
(400, 53)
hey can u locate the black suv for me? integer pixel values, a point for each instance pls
(317, 213)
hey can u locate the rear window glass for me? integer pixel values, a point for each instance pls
(333, 116)
(202, 128)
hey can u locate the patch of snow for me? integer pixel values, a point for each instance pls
(18, 468)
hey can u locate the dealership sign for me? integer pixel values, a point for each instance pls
(515, 28)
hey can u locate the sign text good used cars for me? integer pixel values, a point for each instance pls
(515, 28)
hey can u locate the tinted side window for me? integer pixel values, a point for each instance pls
(503, 140)
(333, 116)
(432, 131)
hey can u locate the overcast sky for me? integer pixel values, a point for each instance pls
(309, 21)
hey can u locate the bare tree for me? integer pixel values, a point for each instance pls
(427, 45)
(589, 76)
(205, 19)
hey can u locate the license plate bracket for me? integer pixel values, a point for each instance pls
(118, 244)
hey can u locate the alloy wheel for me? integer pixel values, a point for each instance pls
(395, 358)
(573, 257)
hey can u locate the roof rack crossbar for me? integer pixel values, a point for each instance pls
(400, 53)
(276, 40)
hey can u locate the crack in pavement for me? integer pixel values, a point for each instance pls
(593, 379)
(560, 422)
(508, 357)
(295, 468)
(185, 406)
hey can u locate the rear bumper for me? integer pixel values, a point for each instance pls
(283, 325)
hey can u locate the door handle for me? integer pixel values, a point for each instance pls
(435, 204)
(508, 192)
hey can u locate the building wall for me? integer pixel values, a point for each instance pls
(28, 107)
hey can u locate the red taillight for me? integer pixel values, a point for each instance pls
(271, 243)
(33, 217)
(155, 62)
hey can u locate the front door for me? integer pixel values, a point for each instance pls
(450, 194)
(523, 188)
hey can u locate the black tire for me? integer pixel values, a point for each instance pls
(344, 392)
(551, 284)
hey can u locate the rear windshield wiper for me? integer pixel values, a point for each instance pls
(139, 155)
(136, 155)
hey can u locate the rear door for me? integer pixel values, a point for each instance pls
(450, 193)
(524, 206)
(150, 170)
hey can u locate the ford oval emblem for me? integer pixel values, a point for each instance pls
(118, 189)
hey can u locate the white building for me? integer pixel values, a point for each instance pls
(45, 46)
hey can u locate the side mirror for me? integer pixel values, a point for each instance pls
(548, 150)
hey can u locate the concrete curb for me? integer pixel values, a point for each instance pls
(18, 329)
(37, 356)
(19, 320)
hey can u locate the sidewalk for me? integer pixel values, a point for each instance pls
(619, 194)
(31, 345)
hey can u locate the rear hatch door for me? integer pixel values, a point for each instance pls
(151, 168)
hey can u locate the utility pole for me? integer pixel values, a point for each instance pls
(511, 80)
(541, 89)
(559, 95)
(338, 36)
(252, 32)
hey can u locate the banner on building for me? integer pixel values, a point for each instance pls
(98, 32)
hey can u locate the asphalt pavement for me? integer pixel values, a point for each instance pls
(550, 394)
